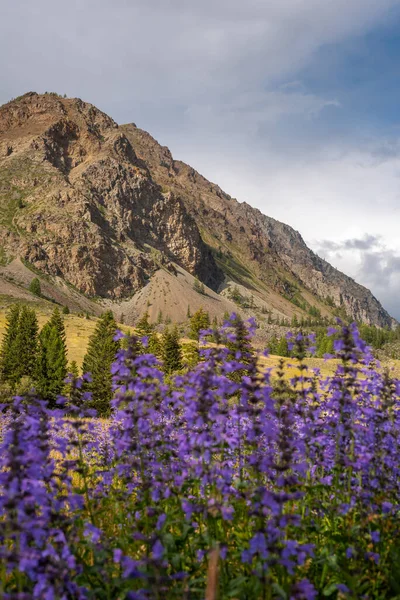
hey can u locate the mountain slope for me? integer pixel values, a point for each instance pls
(102, 210)
(273, 253)
(77, 203)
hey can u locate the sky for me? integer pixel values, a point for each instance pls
(291, 106)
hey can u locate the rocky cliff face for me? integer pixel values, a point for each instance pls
(77, 203)
(261, 248)
(103, 207)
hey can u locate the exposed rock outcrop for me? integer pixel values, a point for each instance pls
(103, 207)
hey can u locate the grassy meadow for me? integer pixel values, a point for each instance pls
(226, 481)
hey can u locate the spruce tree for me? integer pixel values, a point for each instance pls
(216, 332)
(273, 344)
(200, 320)
(98, 360)
(240, 347)
(58, 322)
(73, 369)
(282, 348)
(190, 355)
(26, 343)
(171, 351)
(198, 286)
(8, 362)
(154, 345)
(241, 343)
(71, 391)
(51, 365)
(143, 326)
(35, 287)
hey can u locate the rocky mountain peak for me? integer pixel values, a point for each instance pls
(103, 207)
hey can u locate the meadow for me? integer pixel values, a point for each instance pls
(221, 482)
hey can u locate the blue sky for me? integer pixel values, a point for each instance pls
(291, 106)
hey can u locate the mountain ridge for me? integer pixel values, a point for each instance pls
(103, 207)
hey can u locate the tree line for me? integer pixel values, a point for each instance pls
(33, 358)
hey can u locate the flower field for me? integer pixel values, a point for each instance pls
(222, 482)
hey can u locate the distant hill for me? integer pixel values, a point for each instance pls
(107, 218)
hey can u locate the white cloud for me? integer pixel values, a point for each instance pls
(217, 81)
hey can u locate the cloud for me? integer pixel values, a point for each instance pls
(169, 53)
(225, 84)
(368, 242)
(375, 265)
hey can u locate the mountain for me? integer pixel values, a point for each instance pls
(107, 217)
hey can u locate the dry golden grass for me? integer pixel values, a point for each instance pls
(79, 329)
(326, 367)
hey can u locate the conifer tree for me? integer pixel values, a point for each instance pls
(35, 287)
(143, 326)
(65, 310)
(273, 344)
(241, 342)
(215, 328)
(154, 345)
(190, 355)
(240, 347)
(282, 348)
(26, 343)
(171, 351)
(200, 320)
(8, 347)
(51, 365)
(19, 348)
(198, 286)
(159, 317)
(71, 391)
(73, 368)
(98, 360)
(58, 322)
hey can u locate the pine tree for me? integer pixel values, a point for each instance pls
(143, 326)
(190, 355)
(8, 361)
(51, 365)
(171, 351)
(188, 313)
(273, 345)
(98, 360)
(240, 347)
(73, 369)
(35, 287)
(159, 317)
(200, 320)
(71, 391)
(198, 286)
(19, 349)
(65, 310)
(154, 345)
(26, 343)
(282, 348)
(58, 322)
(216, 332)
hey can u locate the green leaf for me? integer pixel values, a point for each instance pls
(279, 590)
(330, 589)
